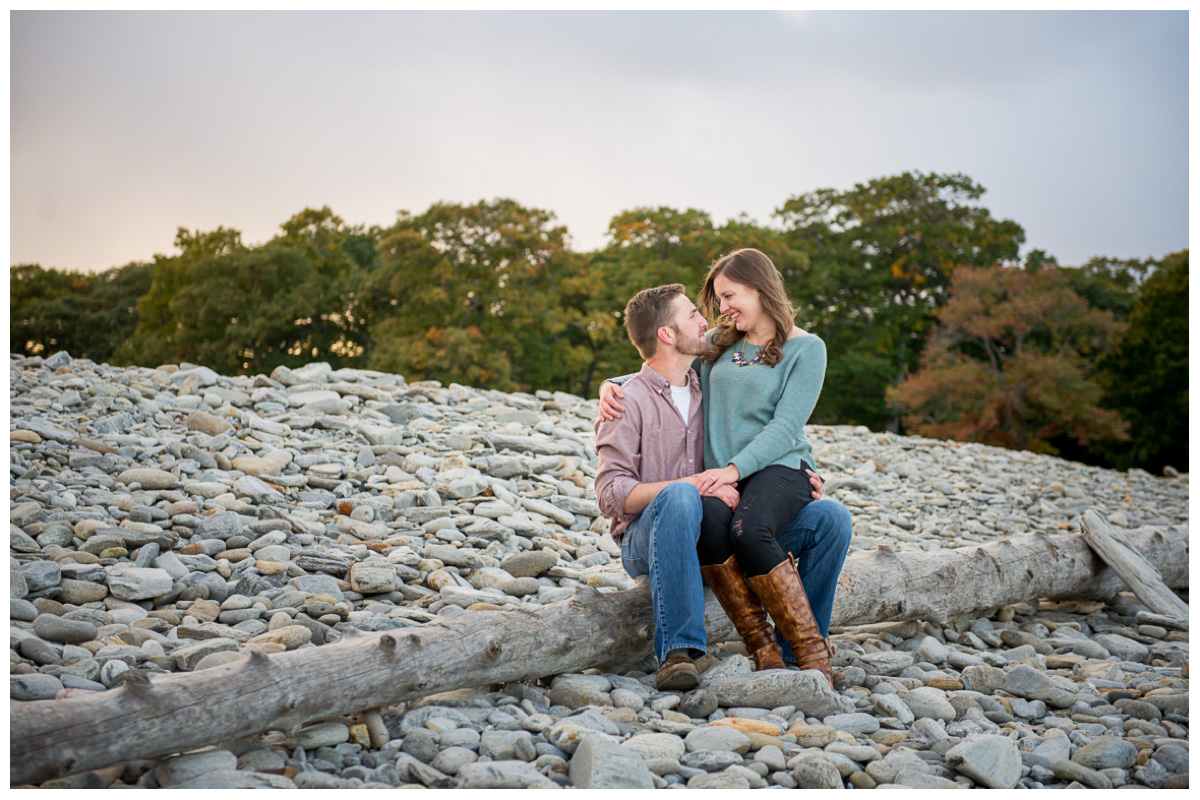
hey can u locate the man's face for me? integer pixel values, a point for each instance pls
(689, 326)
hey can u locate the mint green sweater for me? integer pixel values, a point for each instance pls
(754, 416)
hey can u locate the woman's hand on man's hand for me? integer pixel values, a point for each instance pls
(724, 492)
(712, 478)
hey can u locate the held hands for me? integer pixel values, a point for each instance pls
(610, 409)
(723, 492)
(726, 494)
(712, 478)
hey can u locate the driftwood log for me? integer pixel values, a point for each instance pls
(182, 711)
(1142, 578)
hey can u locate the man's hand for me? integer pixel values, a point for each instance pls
(610, 409)
(817, 484)
(726, 494)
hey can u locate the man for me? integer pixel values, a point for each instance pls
(647, 485)
(647, 478)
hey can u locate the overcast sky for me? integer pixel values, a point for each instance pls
(126, 126)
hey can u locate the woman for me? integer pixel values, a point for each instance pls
(764, 374)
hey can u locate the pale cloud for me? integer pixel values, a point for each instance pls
(127, 125)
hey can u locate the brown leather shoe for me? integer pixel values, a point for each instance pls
(677, 674)
(744, 609)
(783, 595)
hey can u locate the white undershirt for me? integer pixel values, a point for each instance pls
(681, 396)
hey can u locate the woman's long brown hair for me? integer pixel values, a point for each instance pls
(752, 268)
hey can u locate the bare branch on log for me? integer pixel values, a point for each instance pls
(1139, 574)
(182, 711)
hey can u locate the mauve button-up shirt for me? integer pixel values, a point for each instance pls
(649, 443)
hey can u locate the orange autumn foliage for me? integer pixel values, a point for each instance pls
(1010, 364)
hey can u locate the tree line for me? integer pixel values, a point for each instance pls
(933, 322)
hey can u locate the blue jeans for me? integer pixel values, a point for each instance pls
(661, 543)
(818, 537)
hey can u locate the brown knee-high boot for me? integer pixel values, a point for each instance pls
(782, 593)
(729, 585)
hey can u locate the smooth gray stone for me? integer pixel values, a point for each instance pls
(238, 779)
(20, 609)
(1151, 774)
(1173, 757)
(127, 582)
(70, 681)
(816, 771)
(451, 760)
(1025, 681)
(890, 705)
(990, 760)
(853, 724)
(500, 775)
(710, 760)
(928, 702)
(915, 779)
(718, 737)
(1106, 752)
(507, 745)
(1070, 771)
(576, 691)
(318, 584)
(56, 533)
(57, 629)
(21, 541)
(806, 690)
(1122, 647)
(421, 744)
(219, 526)
(35, 686)
(1053, 748)
(886, 663)
(602, 764)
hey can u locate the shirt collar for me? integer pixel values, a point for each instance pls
(661, 383)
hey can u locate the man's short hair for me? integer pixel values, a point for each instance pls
(646, 312)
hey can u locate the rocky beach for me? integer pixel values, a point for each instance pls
(174, 520)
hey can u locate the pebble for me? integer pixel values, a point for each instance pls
(57, 629)
(1106, 752)
(991, 761)
(599, 763)
(717, 738)
(816, 771)
(175, 519)
(928, 702)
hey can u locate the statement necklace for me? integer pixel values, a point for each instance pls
(741, 362)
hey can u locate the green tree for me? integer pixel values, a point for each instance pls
(881, 257)
(88, 315)
(1008, 365)
(33, 291)
(1111, 284)
(1145, 378)
(470, 294)
(236, 308)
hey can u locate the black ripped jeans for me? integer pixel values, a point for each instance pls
(770, 499)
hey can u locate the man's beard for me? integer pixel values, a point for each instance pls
(695, 346)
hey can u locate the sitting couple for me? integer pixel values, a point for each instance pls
(737, 398)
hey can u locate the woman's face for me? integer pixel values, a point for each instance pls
(739, 302)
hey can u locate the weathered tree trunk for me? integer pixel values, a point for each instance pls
(886, 584)
(182, 711)
(1138, 574)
